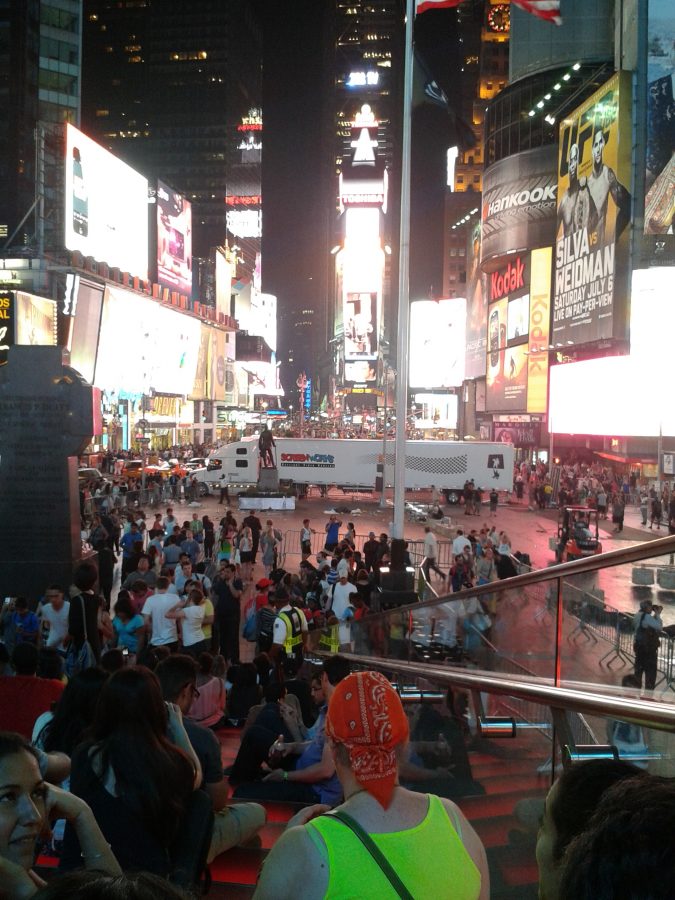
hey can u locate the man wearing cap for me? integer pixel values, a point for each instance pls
(647, 624)
(365, 729)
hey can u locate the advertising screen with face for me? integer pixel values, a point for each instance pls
(174, 240)
(106, 206)
(360, 324)
(360, 372)
(591, 250)
(437, 343)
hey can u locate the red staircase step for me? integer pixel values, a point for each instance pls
(238, 866)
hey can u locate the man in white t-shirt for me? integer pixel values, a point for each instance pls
(162, 631)
(431, 554)
(460, 543)
(341, 606)
(53, 615)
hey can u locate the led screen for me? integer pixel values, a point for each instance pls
(174, 240)
(144, 345)
(506, 385)
(106, 206)
(35, 319)
(86, 325)
(437, 343)
(360, 324)
(619, 378)
(517, 318)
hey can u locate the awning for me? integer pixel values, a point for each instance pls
(627, 460)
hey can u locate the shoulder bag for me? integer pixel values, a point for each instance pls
(84, 658)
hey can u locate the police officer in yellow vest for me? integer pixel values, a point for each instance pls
(290, 632)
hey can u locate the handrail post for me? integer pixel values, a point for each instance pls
(558, 633)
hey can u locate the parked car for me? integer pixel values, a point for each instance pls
(86, 474)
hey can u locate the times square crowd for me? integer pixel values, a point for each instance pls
(119, 698)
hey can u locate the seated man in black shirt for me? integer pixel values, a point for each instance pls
(234, 824)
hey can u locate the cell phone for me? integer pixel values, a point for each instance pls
(125, 651)
(7, 602)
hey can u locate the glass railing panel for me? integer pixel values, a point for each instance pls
(601, 610)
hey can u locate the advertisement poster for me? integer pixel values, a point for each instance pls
(519, 203)
(508, 326)
(520, 434)
(360, 372)
(160, 351)
(106, 206)
(660, 175)
(6, 324)
(200, 385)
(35, 319)
(437, 343)
(476, 310)
(174, 240)
(591, 250)
(360, 325)
(540, 318)
(85, 329)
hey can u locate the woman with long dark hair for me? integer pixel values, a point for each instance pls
(136, 780)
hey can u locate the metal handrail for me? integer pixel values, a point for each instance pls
(646, 714)
(659, 547)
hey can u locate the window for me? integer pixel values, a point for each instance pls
(241, 463)
(241, 451)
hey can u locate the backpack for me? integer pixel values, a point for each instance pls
(646, 639)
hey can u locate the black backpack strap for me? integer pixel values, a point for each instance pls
(375, 852)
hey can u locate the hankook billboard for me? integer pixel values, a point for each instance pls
(591, 250)
(519, 204)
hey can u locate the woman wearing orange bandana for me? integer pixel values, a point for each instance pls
(406, 845)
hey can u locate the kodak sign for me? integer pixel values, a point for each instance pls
(510, 280)
(540, 324)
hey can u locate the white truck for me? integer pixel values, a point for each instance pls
(353, 464)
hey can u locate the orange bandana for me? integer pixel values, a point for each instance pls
(366, 715)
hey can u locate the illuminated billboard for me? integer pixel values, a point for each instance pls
(539, 328)
(476, 310)
(88, 305)
(435, 411)
(507, 335)
(660, 162)
(360, 371)
(360, 324)
(106, 206)
(633, 376)
(145, 346)
(519, 203)
(35, 320)
(174, 240)
(437, 343)
(591, 251)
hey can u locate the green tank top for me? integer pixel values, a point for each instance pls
(430, 860)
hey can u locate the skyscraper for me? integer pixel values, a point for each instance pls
(166, 87)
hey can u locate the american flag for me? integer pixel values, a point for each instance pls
(425, 5)
(544, 9)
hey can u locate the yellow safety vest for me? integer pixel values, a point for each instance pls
(292, 640)
(330, 638)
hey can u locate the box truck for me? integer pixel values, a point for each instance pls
(353, 464)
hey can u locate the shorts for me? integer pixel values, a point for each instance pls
(246, 556)
(306, 547)
(330, 547)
